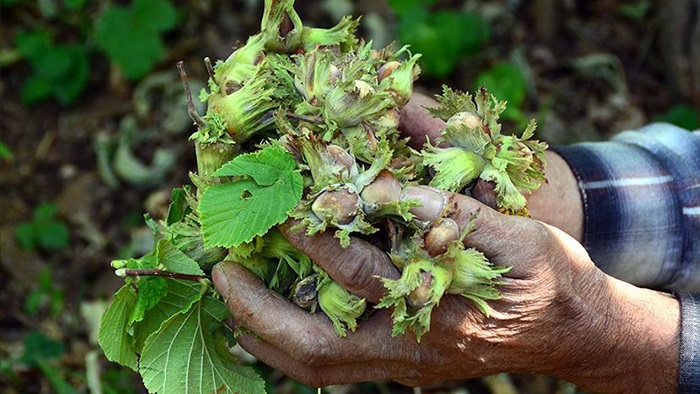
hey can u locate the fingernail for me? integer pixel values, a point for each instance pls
(220, 279)
(432, 202)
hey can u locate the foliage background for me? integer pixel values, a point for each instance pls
(93, 133)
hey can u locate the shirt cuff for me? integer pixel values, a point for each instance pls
(689, 367)
(633, 225)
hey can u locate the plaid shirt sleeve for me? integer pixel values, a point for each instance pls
(641, 201)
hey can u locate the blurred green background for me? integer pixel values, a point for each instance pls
(94, 132)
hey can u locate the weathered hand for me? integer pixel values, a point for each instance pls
(558, 315)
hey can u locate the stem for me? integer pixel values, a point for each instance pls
(156, 272)
(210, 157)
(210, 69)
(191, 110)
(310, 119)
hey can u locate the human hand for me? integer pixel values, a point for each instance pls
(559, 315)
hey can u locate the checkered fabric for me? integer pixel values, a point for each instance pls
(641, 201)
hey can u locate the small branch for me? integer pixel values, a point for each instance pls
(123, 272)
(210, 69)
(191, 110)
(310, 119)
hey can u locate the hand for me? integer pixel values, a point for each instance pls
(559, 315)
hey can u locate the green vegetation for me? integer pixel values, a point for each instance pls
(681, 115)
(6, 153)
(39, 352)
(636, 10)
(507, 82)
(272, 187)
(58, 71)
(43, 231)
(131, 36)
(432, 33)
(46, 296)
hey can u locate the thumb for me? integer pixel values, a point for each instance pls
(356, 267)
(417, 123)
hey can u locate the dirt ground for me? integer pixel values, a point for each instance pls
(591, 70)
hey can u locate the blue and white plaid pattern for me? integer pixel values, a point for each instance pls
(641, 201)
(641, 196)
(689, 371)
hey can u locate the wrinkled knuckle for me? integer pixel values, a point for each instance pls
(542, 233)
(540, 239)
(356, 271)
(311, 351)
(542, 230)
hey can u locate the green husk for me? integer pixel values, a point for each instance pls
(455, 167)
(341, 306)
(515, 164)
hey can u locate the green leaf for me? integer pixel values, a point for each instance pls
(681, 115)
(433, 35)
(507, 82)
(43, 230)
(25, 236)
(179, 206)
(60, 71)
(131, 36)
(45, 212)
(147, 261)
(174, 260)
(235, 212)
(52, 236)
(75, 5)
(38, 346)
(179, 298)
(69, 87)
(159, 14)
(113, 336)
(55, 62)
(53, 375)
(35, 89)
(31, 44)
(635, 10)
(150, 291)
(263, 166)
(189, 354)
(401, 6)
(5, 152)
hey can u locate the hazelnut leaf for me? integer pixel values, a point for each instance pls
(268, 185)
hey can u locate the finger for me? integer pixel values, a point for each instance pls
(263, 311)
(504, 240)
(304, 337)
(356, 267)
(316, 375)
(417, 123)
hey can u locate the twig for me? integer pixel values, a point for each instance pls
(156, 272)
(210, 69)
(191, 110)
(310, 119)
